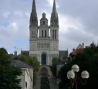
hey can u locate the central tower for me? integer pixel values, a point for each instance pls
(44, 39)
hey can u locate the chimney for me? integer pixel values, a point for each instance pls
(73, 49)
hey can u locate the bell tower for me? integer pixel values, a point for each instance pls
(44, 28)
(33, 17)
(54, 28)
(33, 28)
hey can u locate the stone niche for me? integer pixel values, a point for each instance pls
(43, 45)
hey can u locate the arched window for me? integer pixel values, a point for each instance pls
(45, 33)
(42, 33)
(34, 34)
(55, 34)
(43, 22)
(43, 59)
(33, 20)
(54, 21)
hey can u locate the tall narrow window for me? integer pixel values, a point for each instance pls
(55, 34)
(26, 84)
(54, 21)
(42, 33)
(45, 33)
(34, 34)
(43, 22)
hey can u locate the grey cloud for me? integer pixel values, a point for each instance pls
(3, 32)
(85, 10)
(14, 12)
(73, 38)
(78, 36)
(18, 11)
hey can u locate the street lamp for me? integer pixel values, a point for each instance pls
(72, 75)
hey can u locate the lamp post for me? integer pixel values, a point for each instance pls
(72, 75)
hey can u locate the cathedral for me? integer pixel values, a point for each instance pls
(44, 39)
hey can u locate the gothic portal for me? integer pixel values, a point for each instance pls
(44, 39)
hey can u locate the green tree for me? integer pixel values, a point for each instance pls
(87, 60)
(8, 73)
(55, 60)
(32, 61)
(24, 58)
(3, 53)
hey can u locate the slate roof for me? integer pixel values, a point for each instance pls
(63, 54)
(20, 64)
(17, 63)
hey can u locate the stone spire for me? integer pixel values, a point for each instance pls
(54, 16)
(33, 17)
(54, 7)
(33, 6)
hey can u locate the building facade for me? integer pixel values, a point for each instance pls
(26, 78)
(44, 39)
(27, 72)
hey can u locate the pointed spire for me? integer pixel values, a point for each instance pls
(54, 16)
(54, 7)
(33, 6)
(33, 17)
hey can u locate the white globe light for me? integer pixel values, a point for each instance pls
(70, 74)
(75, 68)
(85, 75)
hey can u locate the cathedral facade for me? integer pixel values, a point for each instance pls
(44, 39)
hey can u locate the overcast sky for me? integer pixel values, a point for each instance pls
(78, 20)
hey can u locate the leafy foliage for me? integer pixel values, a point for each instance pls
(53, 67)
(3, 53)
(32, 61)
(88, 60)
(8, 73)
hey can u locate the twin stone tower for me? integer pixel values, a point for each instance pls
(44, 39)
